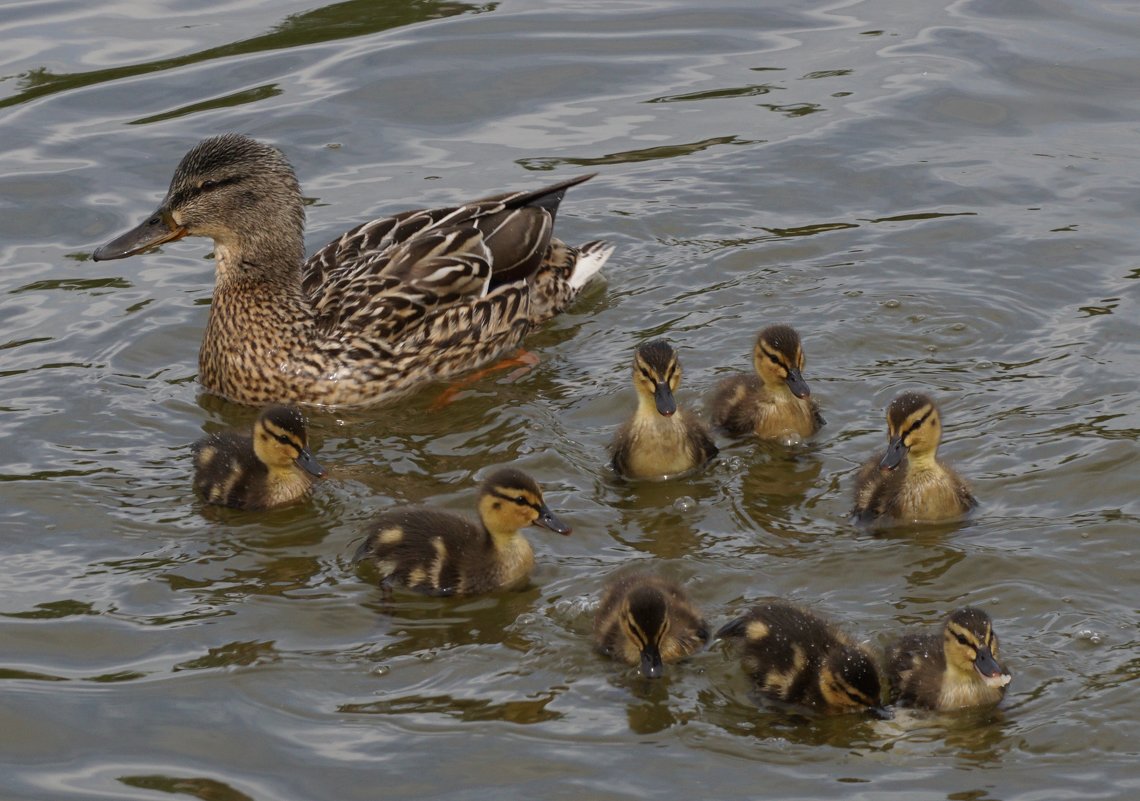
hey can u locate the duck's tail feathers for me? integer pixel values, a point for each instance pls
(591, 257)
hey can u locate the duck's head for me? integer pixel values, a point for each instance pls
(241, 193)
(510, 500)
(657, 374)
(280, 440)
(644, 617)
(779, 359)
(914, 427)
(849, 680)
(971, 647)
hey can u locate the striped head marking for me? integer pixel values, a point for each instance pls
(645, 621)
(510, 500)
(971, 646)
(280, 440)
(779, 359)
(914, 426)
(849, 680)
(657, 374)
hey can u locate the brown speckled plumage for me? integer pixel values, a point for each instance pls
(419, 296)
(794, 655)
(440, 553)
(773, 401)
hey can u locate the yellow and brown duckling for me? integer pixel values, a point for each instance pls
(271, 467)
(795, 656)
(440, 553)
(660, 439)
(954, 669)
(775, 401)
(647, 620)
(391, 304)
(907, 482)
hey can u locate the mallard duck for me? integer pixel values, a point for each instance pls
(953, 669)
(440, 553)
(271, 467)
(907, 482)
(794, 655)
(773, 402)
(647, 620)
(660, 439)
(392, 303)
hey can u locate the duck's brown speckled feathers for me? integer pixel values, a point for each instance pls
(271, 467)
(439, 553)
(661, 439)
(395, 302)
(773, 401)
(957, 667)
(647, 620)
(907, 482)
(796, 656)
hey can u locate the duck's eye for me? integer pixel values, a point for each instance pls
(962, 640)
(208, 184)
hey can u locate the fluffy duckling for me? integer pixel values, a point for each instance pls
(644, 619)
(271, 467)
(660, 439)
(774, 401)
(439, 553)
(907, 482)
(954, 669)
(796, 656)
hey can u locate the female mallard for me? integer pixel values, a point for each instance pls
(953, 669)
(644, 619)
(795, 656)
(439, 553)
(660, 439)
(271, 468)
(419, 296)
(773, 402)
(907, 482)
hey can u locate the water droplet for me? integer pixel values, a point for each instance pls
(983, 364)
(892, 304)
(854, 293)
(790, 439)
(381, 670)
(684, 504)
(1092, 636)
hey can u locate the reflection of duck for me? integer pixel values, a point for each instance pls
(660, 439)
(953, 669)
(775, 400)
(440, 553)
(392, 303)
(907, 481)
(272, 467)
(646, 620)
(794, 655)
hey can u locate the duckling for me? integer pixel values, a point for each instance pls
(439, 553)
(796, 656)
(775, 400)
(954, 669)
(386, 307)
(644, 619)
(907, 482)
(271, 467)
(660, 439)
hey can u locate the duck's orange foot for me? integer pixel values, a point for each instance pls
(523, 362)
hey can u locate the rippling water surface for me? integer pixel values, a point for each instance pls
(938, 195)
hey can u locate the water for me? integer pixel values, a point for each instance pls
(939, 196)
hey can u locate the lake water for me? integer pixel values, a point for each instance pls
(938, 195)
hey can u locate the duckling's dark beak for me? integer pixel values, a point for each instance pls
(306, 462)
(159, 228)
(988, 668)
(894, 455)
(796, 383)
(881, 712)
(663, 397)
(546, 519)
(651, 665)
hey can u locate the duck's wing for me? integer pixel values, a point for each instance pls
(388, 274)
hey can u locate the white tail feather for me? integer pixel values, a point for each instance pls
(591, 257)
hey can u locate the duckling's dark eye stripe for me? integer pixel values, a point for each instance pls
(918, 423)
(773, 356)
(515, 499)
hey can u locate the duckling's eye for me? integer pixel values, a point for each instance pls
(962, 640)
(284, 440)
(520, 500)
